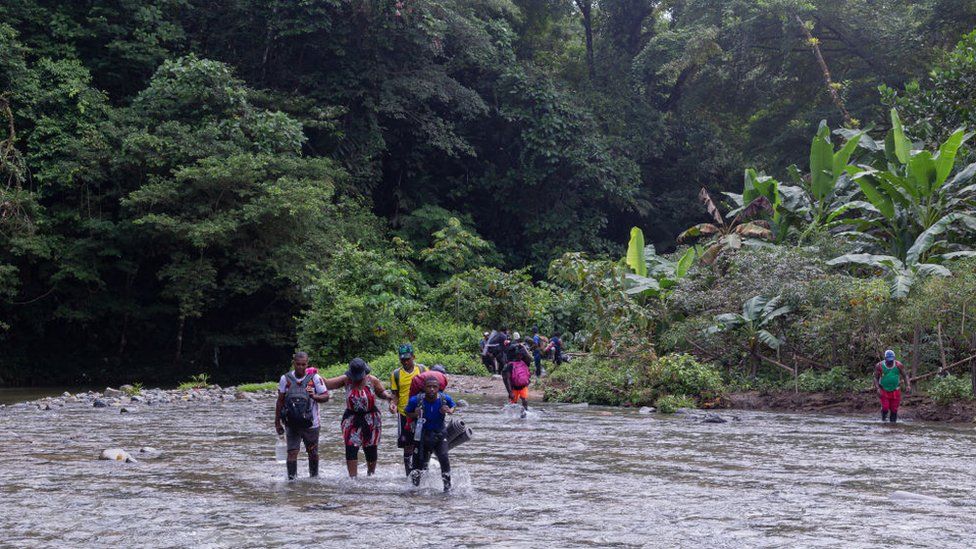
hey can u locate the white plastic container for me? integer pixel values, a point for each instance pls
(281, 450)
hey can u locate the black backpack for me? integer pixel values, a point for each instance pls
(297, 409)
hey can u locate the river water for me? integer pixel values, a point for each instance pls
(565, 477)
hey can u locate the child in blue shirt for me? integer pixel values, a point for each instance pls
(433, 406)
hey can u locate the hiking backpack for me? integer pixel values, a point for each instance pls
(521, 375)
(297, 409)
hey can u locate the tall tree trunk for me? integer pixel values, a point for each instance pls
(832, 89)
(586, 8)
(915, 343)
(179, 341)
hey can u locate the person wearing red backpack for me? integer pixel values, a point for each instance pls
(517, 375)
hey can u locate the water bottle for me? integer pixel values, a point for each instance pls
(281, 449)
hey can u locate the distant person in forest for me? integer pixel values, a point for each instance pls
(538, 345)
(433, 406)
(362, 420)
(495, 347)
(486, 358)
(888, 375)
(556, 346)
(516, 374)
(400, 383)
(297, 413)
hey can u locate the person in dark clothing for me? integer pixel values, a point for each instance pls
(556, 345)
(513, 351)
(537, 344)
(495, 347)
(486, 358)
(433, 406)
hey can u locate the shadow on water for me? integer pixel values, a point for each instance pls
(562, 476)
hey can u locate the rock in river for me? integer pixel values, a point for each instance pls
(99, 403)
(117, 454)
(714, 418)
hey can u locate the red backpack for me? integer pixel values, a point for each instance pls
(521, 375)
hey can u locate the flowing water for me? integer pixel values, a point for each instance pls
(565, 477)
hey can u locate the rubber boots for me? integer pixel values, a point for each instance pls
(894, 417)
(313, 468)
(446, 477)
(292, 469)
(884, 415)
(407, 464)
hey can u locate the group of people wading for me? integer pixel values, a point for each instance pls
(510, 356)
(416, 394)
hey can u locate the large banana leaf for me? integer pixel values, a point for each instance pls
(879, 199)
(843, 156)
(946, 158)
(753, 307)
(635, 252)
(685, 262)
(924, 242)
(637, 284)
(921, 169)
(701, 229)
(962, 177)
(710, 206)
(852, 205)
(932, 269)
(901, 284)
(821, 163)
(887, 262)
(902, 145)
(768, 339)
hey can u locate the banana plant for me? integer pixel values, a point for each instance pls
(914, 192)
(742, 230)
(922, 258)
(653, 275)
(753, 322)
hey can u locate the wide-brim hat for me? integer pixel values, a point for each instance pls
(358, 369)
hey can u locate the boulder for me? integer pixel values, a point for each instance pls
(99, 403)
(240, 395)
(646, 410)
(66, 394)
(110, 392)
(714, 418)
(128, 410)
(127, 388)
(117, 454)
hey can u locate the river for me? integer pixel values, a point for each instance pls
(569, 477)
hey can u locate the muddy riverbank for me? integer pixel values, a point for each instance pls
(916, 407)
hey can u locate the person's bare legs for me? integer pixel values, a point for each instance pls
(352, 465)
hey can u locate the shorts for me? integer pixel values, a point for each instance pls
(890, 400)
(519, 393)
(295, 437)
(405, 440)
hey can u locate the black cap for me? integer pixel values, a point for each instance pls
(358, 369)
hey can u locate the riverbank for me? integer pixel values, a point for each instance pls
(918, 407)
(128, 399)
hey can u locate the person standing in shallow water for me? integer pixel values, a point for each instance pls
(297, 390)
(400, 383)
(888, 375)
(362, 419)
(433, 406)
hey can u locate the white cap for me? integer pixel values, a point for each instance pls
(516, 336)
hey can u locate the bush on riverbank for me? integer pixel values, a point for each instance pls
(948, 389)
(615, 382)
(669, 404)
(383, 365)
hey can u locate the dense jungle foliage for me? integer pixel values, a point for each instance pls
(199, 187)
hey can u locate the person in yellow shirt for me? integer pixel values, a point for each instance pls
(400, 386)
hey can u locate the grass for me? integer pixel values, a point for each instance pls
(198, 381)
(134, 389)
(257, 387)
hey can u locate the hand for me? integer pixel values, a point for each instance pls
(310, 389)
(393, 407)
(279, 428)
(509, 395)
(445, 409)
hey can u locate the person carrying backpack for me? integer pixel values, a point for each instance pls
(430, 410)
(400, 383)
(516, 375)
(297, 413)
(537, 345)
(362, 420)
(556, 345)
(495, 347)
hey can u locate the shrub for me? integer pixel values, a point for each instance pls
(133, 389)
(490, 297)
(198, 381)
(682, 374)
(593, 380)
(383, 365)
(834, 380)
(441, 335)
(946, 390)
(669, 404)
(257, 387)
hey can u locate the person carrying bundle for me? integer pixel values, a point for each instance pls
(429, 410)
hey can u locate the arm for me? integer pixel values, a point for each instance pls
(278, 404)
(379, 389)
(334, 383)
(449, 406)
(412, 410)
(318, 391)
